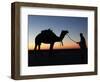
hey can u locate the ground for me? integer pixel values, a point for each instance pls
(58, 57)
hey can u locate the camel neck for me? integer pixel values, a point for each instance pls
(62, 35)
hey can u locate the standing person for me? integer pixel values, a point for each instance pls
(82, 42)
(83, 48)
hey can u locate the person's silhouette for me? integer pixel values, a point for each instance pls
(82, 42)
(83, 48)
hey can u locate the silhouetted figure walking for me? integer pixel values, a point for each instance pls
(83, 48)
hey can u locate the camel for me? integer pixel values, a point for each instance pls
(49, 37)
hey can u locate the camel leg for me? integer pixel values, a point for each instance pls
(35, 47)
(39, 47)
(51, 47)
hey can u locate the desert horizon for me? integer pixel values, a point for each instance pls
(56, 49)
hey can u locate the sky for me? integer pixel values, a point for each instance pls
(75, 26)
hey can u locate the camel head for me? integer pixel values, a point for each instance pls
(65, 31)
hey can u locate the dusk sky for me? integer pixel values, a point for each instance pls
(75, 26)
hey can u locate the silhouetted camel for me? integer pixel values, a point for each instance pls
(48, 37)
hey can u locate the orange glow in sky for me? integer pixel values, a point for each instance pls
(57, 45)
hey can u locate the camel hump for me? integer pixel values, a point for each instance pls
(48, 32)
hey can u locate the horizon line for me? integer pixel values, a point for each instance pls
(58, 49)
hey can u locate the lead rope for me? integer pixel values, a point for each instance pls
(71, 39)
